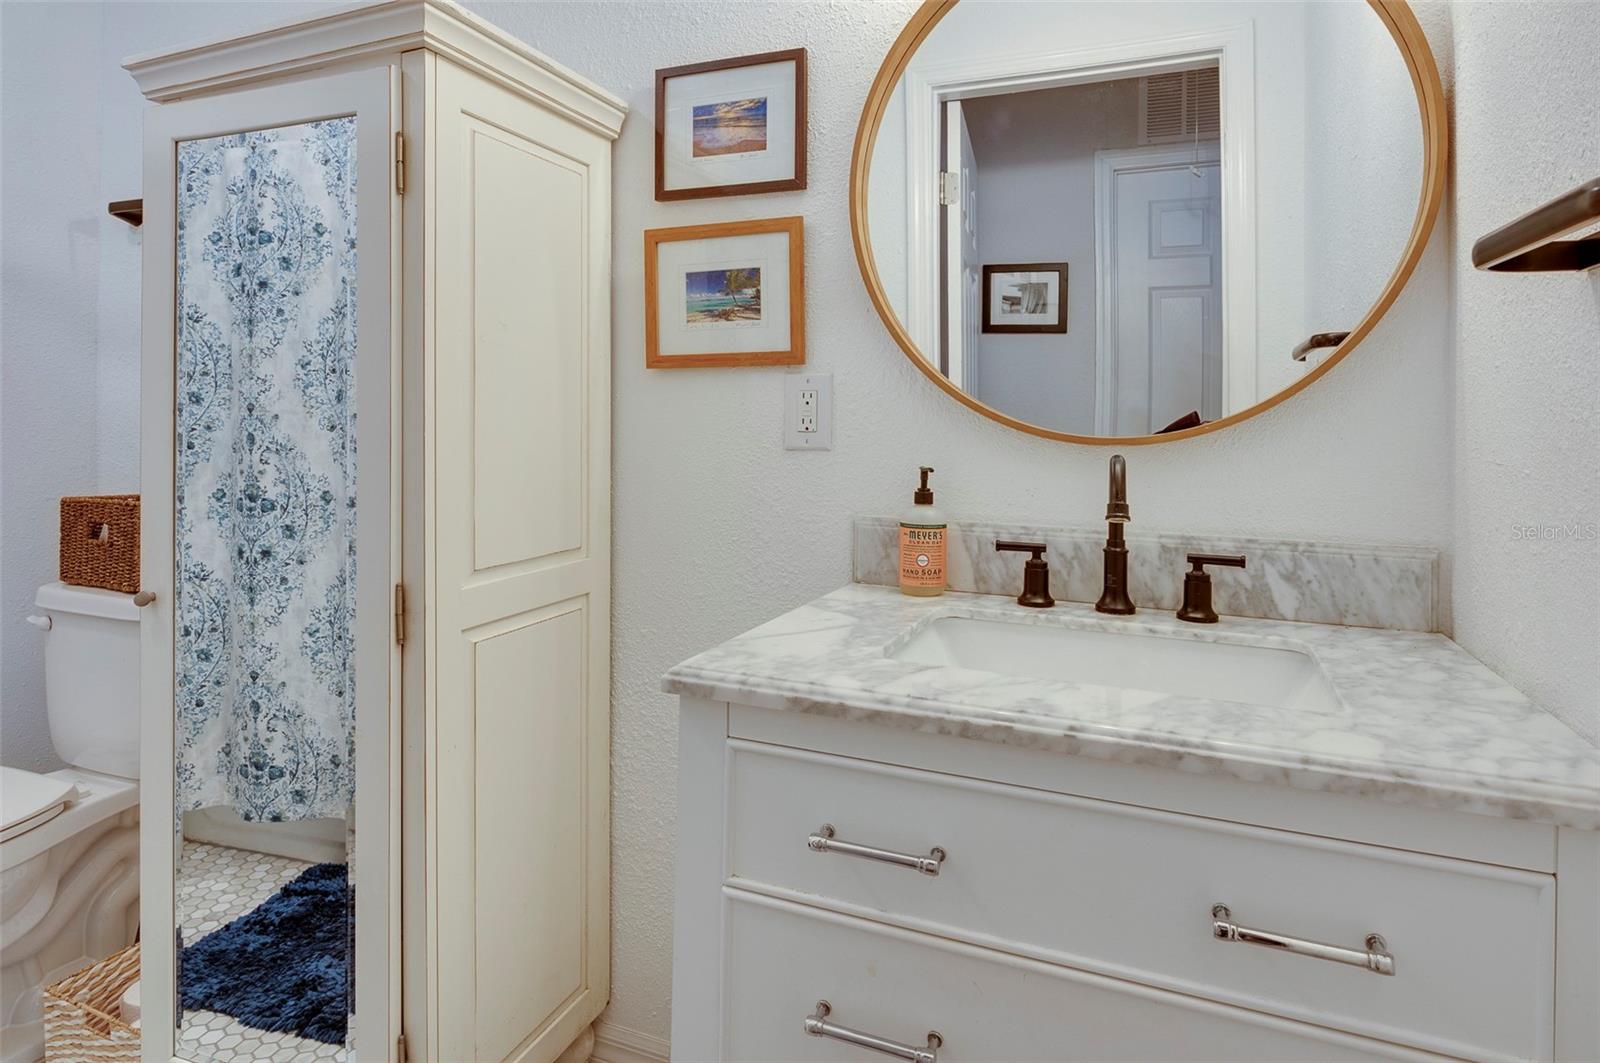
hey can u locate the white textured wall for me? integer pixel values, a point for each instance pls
(1527, 454)
(70, 126)
(1361, 175)
(49, 272)
(717, 527)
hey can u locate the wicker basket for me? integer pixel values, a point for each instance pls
(80, 1013)
(100, 542)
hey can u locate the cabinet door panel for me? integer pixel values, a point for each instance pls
(518, 572)
(529, 418)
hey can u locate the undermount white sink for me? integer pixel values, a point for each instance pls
(1134, 661)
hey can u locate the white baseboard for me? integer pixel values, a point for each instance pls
(319, 841)
(618, 1044)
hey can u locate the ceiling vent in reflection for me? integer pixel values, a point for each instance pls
(1179, 106)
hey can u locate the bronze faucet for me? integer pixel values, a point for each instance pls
(1114, 588)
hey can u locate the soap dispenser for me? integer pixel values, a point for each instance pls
(923, 540)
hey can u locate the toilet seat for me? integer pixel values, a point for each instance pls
(94, 799)
(69, 855)
(28, 800)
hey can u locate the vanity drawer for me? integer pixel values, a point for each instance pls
(896, 984)
(1129, 892)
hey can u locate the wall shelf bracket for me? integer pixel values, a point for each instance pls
(129, 210)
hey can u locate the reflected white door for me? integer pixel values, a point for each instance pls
(1161, 260)
(963, 272)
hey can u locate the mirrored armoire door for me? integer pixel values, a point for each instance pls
(269, 670)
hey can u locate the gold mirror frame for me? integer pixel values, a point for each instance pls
(1413, 45)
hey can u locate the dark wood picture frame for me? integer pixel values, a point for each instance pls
(1059, 325)
(793, 184)
(796, 353)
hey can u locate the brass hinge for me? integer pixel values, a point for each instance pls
(400, 614)
(400, 164)
(400, 1049)
(949, 187)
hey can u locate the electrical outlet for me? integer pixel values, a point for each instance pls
(807, 424)
(808, 411)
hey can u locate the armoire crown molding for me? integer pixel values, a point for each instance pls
(350, 33)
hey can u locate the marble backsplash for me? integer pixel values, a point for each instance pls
(1356, 585)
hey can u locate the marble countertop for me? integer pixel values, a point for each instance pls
(1419, 720)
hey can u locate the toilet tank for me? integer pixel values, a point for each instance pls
(91, 677)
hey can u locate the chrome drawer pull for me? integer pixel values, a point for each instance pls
(1375, 957)
(817, 1025)
(823, 841)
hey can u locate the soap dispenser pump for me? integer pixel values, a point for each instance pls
(923, 544)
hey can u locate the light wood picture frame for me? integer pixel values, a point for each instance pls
(727, 294)
(731, 127)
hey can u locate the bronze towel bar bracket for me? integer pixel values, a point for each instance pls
(129, 210)
(1530, 243)
(1317, 340)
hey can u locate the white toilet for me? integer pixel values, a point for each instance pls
(69, 840)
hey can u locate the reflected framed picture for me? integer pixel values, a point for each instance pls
(730, 294)
(732, 127)
(1026, 297)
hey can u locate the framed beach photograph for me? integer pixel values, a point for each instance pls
(1025, 298)
(730, 294)
(732, 127)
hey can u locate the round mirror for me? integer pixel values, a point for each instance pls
(1103, 221)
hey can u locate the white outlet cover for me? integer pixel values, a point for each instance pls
(793, 385)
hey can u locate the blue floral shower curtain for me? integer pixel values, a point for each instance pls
(266, 466)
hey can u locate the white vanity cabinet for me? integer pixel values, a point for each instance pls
(1027, 905)
(477, 186)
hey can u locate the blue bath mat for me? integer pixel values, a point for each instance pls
(283, 967)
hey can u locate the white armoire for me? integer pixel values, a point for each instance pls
(455, 242)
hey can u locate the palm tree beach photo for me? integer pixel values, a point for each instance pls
(722, 296)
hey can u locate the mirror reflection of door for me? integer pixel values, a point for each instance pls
(1121, 178)
(958, 193)
(1159, 354)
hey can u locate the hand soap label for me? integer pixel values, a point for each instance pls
(922, 556)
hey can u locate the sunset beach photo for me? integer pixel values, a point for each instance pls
(734, 127)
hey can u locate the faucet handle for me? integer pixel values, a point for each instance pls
(1035, 573)
(1196, 606)
(1199, 561)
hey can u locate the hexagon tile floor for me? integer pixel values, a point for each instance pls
(215, 886)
